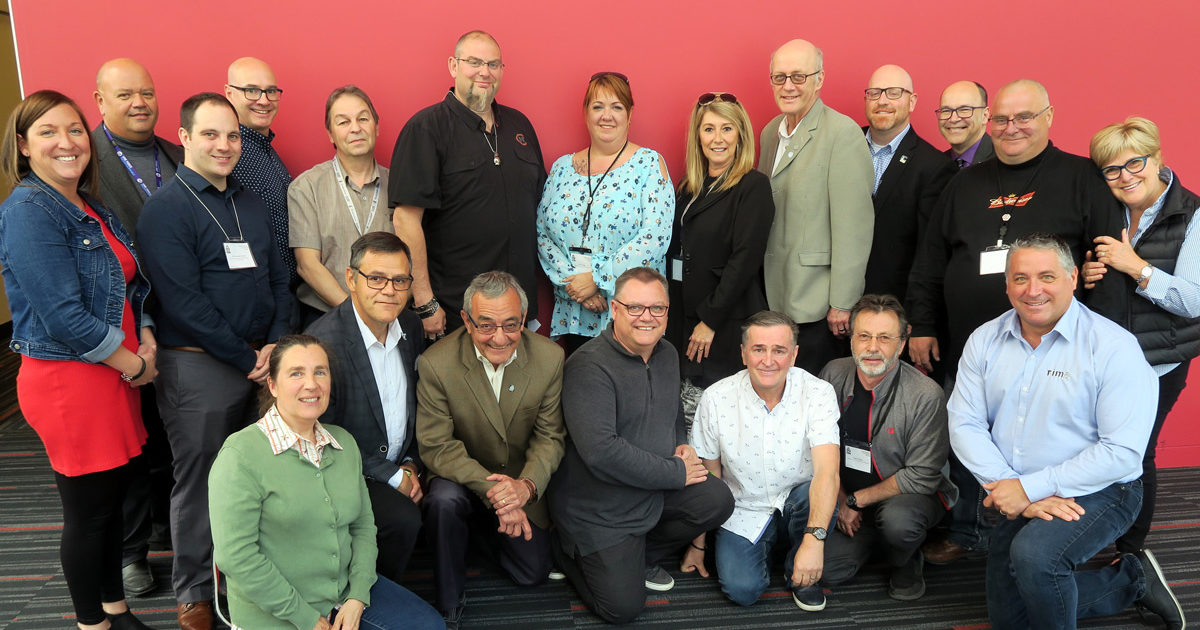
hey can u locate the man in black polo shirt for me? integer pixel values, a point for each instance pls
(222, 298)
(466, 178)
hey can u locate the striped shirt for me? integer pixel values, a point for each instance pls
(282, 438)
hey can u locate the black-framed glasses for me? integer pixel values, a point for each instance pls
(963, 111)
(711, 97)
(477, 63)
(893, 93)
(636, 310)
(399, 283)
(1021, 120)
(1133, 165)
(255, 93)
(606, 73)
(488, 328)
(797, 78)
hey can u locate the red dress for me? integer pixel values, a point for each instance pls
(89, 419)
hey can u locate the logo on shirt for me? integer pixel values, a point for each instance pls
(520, 138)
(1063, 374)
(1011, 200)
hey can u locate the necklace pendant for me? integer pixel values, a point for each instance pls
(496, 159)
(589, 200)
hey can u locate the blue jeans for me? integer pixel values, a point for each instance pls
(970, 523)
(1031, 576)
(744, 567)
(395, 607)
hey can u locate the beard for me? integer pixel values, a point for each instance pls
(871, 370)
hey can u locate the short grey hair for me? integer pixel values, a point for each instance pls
(493, 284)
(641, 274)
(879, 304)
(766, 319)
(1046, 242)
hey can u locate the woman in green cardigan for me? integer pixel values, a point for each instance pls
(291, 521)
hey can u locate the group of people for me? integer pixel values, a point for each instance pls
(332, 377)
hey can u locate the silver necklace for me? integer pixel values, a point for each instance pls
(496, 147)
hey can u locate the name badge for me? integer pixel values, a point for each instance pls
(581, 259)
(239, 256)
(992, 260)
(858, 458)
(677, 270)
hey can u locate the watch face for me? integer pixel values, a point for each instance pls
(817, 532)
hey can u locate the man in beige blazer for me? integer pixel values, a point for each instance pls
(821, 177)
(490, 428)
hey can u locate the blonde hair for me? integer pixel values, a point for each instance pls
(697, 164)
(1136, 134)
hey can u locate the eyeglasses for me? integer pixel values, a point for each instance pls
(797, 78)
(477, 63)
(1134, 165)
(1021, 120)
(601, 75)
(379, 282)
(884, 340)
(893, 93)
(255, 93)
(964, 112)
(709, 97)
(636, 310)
(489, 328)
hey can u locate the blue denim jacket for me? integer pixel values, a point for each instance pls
(64, 283)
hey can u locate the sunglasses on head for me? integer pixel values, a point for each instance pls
(709, 97)
(600, 75)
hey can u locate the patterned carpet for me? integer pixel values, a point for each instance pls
(33, 595)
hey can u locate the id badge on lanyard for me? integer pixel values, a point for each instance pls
(239, 256)
(581, 259)
(857, 455)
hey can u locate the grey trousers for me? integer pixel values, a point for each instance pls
(202, 401)
(897, 525)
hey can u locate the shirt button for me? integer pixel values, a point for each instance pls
(318, 475)
(1021, 419)
(327, 499)
(87, 241)
(382, 449)
(790, 154)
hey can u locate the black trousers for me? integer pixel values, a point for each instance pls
(91, 539)
(1170, 385)
(818, 346)
(451, 511)
(398, 522)
(147, 505)
(611, 581)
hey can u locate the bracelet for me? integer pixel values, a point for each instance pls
(533, 495)
(130, 379)
(426, 310)
(695, 547)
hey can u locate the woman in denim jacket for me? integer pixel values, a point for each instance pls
(76, 296)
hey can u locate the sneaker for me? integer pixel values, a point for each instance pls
(657, 579)
(556, 575)
(908, 580)
(1158, 597)
(810, 598)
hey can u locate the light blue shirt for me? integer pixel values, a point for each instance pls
(1067, 419)
(882, 154)
(1178, 294)
(388, 369)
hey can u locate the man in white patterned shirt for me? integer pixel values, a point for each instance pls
(770, 431)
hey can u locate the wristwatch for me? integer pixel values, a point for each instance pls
(852, 502)
(817, 532)
(1145, 275)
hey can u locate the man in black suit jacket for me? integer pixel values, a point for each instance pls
(374, 344)
(909, 176)
(962, 119)
(133, 163)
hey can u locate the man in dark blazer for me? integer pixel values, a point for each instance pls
(962, 118)
(133, 163)
(909, 176)
(489, 422)
(374, 343)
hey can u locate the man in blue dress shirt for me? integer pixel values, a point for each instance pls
(1051, 412)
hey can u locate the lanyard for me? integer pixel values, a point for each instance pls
(587, 214)
(129, 167)
(240, 238)
(341, 178)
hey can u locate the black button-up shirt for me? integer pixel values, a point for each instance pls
(478, 216)
(261, 171)
(200, 300)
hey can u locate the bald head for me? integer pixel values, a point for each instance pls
(249, 72)
(800, 50)
(891, 75)
(482, 36)
(126, 99)
(962, 132)
(801, 66)
(888, 114)
(1017, 142)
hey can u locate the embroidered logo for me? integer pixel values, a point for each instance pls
(1011, 200)
(520, 138)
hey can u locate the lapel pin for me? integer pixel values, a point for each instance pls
(512, 388)
(904, 159)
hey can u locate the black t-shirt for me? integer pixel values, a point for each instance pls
(479, 216)
(855, 427)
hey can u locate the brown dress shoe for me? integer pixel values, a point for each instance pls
(196, 616)
(943, 552)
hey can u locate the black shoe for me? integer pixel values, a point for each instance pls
(1158, 597)
(454, 617)
(908, 581)
(810, 598)
(137, 578)
(125, 621)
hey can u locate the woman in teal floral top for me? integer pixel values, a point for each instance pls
(605, 209)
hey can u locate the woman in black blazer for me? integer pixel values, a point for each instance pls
(723, 214)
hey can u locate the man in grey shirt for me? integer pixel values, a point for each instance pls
(630, 489)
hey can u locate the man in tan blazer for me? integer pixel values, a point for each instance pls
(490, 428)
(821, 177)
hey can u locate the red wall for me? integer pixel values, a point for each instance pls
(1101, 62)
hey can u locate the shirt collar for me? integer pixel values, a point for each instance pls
(282, 438)
(1168, 178)
(969, 155)
(783, 130)
(488, 364)
(875, 148)
(1065, 326)
(349, 182)
(394, 332)
(199, 184)
(255, 137)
